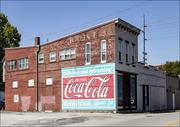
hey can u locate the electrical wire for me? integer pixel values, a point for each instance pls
(91, 21)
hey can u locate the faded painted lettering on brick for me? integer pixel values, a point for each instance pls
(89, 87)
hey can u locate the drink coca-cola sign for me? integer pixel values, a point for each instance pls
(88, 87)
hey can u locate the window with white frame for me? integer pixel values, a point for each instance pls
(103, 51)
(127, 51)
(72, 53)
(120, 49)
(30, 82)
(65, 54)
(15, 84)
(52, 56)
(12, 65)
(49, 81)
(62, 54)
(134, 52)
(88, 53)
(16, 98)
(41, 58)
(23, 63)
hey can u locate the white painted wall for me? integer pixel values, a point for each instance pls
(157, 87)
(145, 76)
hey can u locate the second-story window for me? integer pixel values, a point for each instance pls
(23, 63)
(65, 54)
(133, 53)
(127, 51)
(72, 53)
(41, 58)
(52, 56)
(120, 50)
(88, 53)
(103, 51)
(62, 54)
(12, 65)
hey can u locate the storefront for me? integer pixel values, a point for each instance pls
(127, 91)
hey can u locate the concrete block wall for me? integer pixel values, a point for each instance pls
(157, 87)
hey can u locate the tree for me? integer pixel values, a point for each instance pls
(9, 37)
(172, 68)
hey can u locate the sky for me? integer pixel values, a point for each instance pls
(54, 19)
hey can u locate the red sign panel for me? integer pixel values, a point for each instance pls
(89, 87)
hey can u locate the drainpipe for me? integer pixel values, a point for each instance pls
(37, 45)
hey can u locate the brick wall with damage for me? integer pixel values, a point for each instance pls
(50, 95)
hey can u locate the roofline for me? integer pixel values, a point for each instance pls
(19, 47)
(136, 28)
(82, 31)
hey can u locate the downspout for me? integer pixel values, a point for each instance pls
(37, 45)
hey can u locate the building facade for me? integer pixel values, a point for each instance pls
(173, 92)
(93, 70)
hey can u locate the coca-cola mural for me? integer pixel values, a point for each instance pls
(88, 87)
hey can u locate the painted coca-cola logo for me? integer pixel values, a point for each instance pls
(88, 87)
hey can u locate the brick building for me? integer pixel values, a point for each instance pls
(95, 69)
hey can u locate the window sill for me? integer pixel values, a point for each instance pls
(41, 63)
(12, 70)
(103, 62)
(23, 69)
(17, 70)
(68, 59)
(87, 64)
(52, 61)
(14, 87)
(30, 86)
(48, 85)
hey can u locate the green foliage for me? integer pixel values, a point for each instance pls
(172, 68)
(9, 36)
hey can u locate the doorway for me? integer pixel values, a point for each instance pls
(145, 91)
(127, 91)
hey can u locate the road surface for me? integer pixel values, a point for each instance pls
(53, 119)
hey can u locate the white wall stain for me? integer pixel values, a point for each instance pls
(26, 101)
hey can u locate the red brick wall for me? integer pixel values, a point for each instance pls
(22, 76)
(50, 96)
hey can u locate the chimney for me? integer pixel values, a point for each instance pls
(37, 41)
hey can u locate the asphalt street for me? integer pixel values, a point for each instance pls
(54, 119)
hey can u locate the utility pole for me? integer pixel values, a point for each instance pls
(144, 41)
(37, 45)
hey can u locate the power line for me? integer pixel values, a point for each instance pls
(160, 24)
(164, 37)
(162, 20)
(91, 21)
(157, 28)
